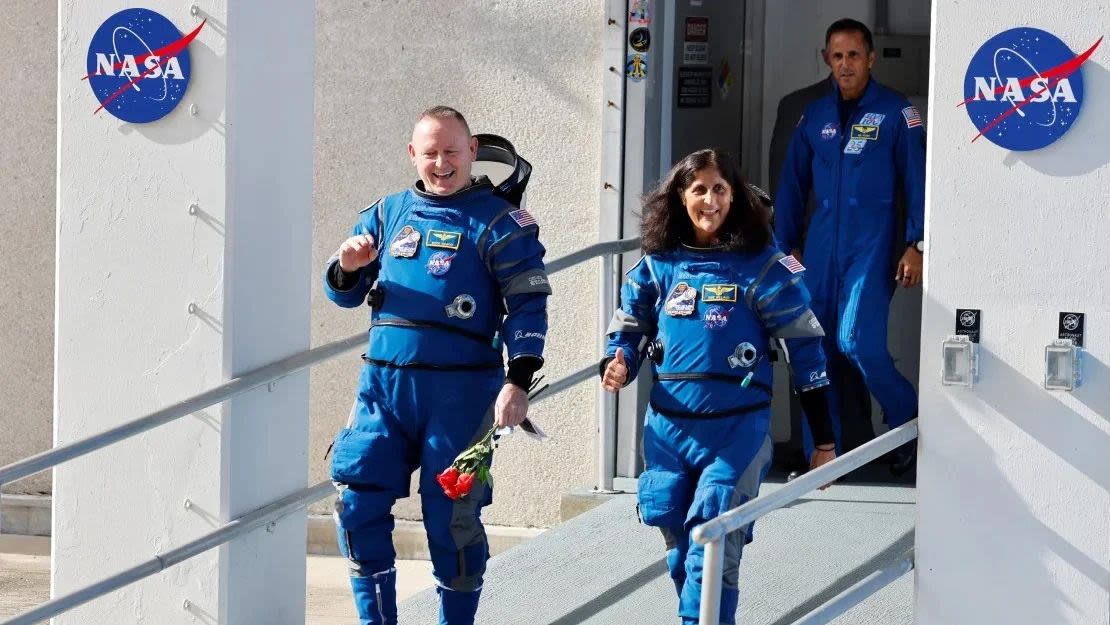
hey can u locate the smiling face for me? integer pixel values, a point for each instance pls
(850, 61)
(442, 151)
(707, 199)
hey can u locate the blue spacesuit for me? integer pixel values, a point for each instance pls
(854, 237)
(707, 316)
(456, 277)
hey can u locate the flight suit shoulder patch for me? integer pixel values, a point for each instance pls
(791, 264)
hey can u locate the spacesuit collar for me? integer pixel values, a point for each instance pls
(687, 247)
(869, 92)
(479, 185)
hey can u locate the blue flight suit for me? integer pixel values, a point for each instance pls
(854, 238)
(456, 276)
(707, 443)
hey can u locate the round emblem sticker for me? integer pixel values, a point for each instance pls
(828, 131)
(716, 317)
(138, 65)
(1024, 88)
(440, 263)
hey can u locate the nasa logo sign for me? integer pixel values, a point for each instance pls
(1024, 88)
(138, 65)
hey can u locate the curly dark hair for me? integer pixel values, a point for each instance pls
(666, 224)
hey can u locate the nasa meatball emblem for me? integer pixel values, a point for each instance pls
(1024, 88)
(138, 65)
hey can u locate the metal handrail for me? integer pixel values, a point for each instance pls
(248, 381)
(605, 248)
(712, 533)
(224, 533)
(266, 514)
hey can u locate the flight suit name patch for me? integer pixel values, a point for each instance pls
(718, 293)
(444, 239)
(865, 132)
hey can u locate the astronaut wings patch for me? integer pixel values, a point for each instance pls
(792, 264)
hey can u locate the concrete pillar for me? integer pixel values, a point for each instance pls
(183, 261)
(1014, 479)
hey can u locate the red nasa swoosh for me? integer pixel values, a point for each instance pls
(1056, 74)
(165, 52)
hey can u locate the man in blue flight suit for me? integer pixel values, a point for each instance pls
(854, 148)
(452, 270)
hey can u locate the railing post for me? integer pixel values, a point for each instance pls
(606, 401)
(713, 569)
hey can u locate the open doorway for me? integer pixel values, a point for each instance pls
(712, 73)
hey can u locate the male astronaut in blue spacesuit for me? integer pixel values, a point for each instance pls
(452, 270)
(853, 148)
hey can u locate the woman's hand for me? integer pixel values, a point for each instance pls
(616, 373)
(820, 457)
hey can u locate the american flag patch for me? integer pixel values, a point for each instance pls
(913, 118)
(791, 263)
(522, 217)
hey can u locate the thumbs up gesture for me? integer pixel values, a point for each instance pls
(616, 373)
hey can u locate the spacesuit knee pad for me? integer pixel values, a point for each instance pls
(456, 541)
(663, 497)
(360, 509)
(460, 570)
(710, 502)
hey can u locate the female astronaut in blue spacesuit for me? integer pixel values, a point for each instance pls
(703, 304)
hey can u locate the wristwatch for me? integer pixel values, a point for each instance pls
(917, 245)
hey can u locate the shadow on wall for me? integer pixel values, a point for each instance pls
(964, 468)
(1087, 146)
(207, 90)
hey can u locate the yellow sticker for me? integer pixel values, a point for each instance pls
(444, 239)
(864, 131)
(718, 293)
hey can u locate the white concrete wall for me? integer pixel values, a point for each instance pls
(27, 116)
(529, 71)
(130, 259)
(1013, 480)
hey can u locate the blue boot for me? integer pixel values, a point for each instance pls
(457, 607)
(376, 598)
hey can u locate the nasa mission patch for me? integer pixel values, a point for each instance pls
(138, 65)
(1024, 88)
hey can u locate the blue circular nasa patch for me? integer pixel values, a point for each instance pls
(440, 263)
(828, 131)
(1024, 88)
(138, 65)
(716, 317)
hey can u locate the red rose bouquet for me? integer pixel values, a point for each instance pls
(473, 463)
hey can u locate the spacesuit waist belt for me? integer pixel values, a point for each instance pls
(478, 366)
(712, 376)
(438, 325)
(710, 414)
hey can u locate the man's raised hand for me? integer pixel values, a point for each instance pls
(357, 252)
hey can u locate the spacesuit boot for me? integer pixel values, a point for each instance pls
(457, 607)
(376, 598)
